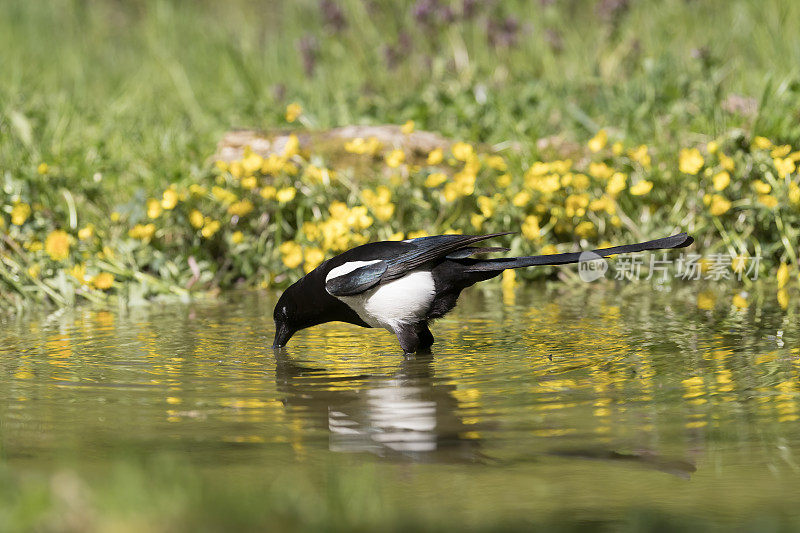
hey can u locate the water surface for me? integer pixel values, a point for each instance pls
(579, 403)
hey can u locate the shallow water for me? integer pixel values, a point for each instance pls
(584, 402)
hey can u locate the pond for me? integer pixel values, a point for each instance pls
(550, 405)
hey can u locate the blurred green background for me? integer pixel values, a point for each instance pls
(141, 91)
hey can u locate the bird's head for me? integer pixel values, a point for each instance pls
(300, 306)
(287, 319)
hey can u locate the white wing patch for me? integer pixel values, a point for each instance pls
(402, 301)
(348, 267)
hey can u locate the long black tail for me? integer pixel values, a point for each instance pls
(680, 240)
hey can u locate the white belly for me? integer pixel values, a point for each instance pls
(402, 301)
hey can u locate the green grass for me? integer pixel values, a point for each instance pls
(141, 92)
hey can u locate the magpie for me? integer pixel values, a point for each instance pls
(402, 285)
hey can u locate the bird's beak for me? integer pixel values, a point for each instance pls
(282, 335)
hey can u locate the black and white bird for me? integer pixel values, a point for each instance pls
(402, 285)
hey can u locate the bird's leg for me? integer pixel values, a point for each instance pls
(408, 337)
(414, 338)
(425, 338)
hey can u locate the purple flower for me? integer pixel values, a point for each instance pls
(309, 52)
(332, 15)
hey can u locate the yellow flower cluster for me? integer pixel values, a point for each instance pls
(361, 146)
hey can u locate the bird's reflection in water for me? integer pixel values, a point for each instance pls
(410, 415)
(407, 414)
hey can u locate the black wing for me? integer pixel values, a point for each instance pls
(416, 253)
(430, 250)
(357, 280)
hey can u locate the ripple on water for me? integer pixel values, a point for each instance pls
(637, 378)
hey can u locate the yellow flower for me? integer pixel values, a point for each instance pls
(291, 149)
(580, 182)
(762, 143)
(760, 187)
(42, 168)
(142, 231)
(550, 249)
(286, 195)
(781, 151)
(783, 275)
(252, 163)
(78, 272)
(740, 300)
(705, 300)
(293, 111)
(249, 182)
(530, 227)
(503, 181)
(603, 204)
(435, 156)
(726, 162)
(477, 220)
(576, 204)
(20, 213)
(722, 180)
(719, 205)
(237, 237)
(269, 192)
(712, 147)
(395, 158)
(642, 187)
(197, 190)
(292, 254)
(361, 146)
(600, 171)
(154, 209)
(585, 229)
(210, 227)
(794, 193)
(196, 219)
(312, 257)
(617, 148)
(784, 166)
(690, 161)
(544, 184)
(86, 232)
(768, 200)
(463, 184)
(34, 270)
(598, 142)
(496, 162)
(417, 234)
(169, 199)
(380, 202)
(462, 151)
(221, 165)
(486, 205)
(57, 245)
(240, 208)
(521, 199)
(357, 218)
(399, 236)
(435, 179)
(539, 168)
(103, 281)
(408, 127)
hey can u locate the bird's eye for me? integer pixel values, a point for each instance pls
(285, 311)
